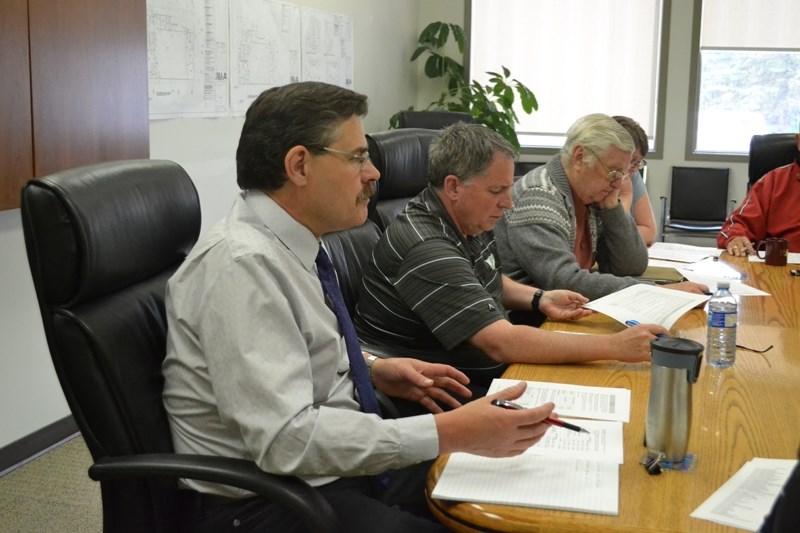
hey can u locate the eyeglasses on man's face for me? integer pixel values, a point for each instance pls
(613, 175)
(360, 159)
(637, 165)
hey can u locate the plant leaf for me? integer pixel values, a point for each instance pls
(428, 35)
(458, 35)
(444, 34)
(433, 66)
(527, 98)
(418, 51)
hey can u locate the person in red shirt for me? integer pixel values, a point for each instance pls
(770, 209)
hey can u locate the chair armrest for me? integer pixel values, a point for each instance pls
(388, 408)
(290, 491)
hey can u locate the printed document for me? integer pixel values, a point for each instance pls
(598, 403)
(737, 287)
(566, 470)
(684, 253)
(714, 268)
(647, 304)
(747, 497)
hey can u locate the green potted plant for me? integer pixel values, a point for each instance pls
(491, 104)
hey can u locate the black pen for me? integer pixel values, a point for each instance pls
(505, 404)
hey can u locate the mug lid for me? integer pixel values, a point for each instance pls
(677, 345)
(674, 352)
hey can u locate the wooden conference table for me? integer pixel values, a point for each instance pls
(750, 410)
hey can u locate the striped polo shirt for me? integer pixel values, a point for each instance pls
(427, 290)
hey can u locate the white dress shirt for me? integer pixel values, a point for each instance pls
(256, 367)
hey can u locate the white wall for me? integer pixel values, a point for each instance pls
(30, 397)
(385, 37)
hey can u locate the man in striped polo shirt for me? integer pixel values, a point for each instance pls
(434, 289)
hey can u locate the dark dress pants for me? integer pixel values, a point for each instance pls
(363, 504)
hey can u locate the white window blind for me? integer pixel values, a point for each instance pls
(577, 56)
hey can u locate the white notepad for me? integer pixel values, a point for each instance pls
(566, 470)
(532, 481)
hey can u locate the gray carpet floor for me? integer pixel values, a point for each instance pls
(52, 493)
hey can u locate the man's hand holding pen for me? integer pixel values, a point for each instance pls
(481, 428)
(505, 404)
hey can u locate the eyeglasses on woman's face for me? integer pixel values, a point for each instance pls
(637, 166)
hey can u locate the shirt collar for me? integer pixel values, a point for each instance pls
(295, 236)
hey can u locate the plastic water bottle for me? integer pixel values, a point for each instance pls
(722, 311)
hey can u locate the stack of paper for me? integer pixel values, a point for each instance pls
(745, 499)
(698, 264)
(682, 253)
(565, 470)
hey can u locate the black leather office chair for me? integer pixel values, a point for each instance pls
(431, 120)
(401, 156)
(102, 242)
(350, 251)
(768, 152)
(698, 202)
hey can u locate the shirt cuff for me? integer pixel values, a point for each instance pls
(419, 438)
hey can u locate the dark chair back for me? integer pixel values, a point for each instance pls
(432, 120)
(699, 194)
(102, 242)
(698, 201)
(401, 156)
(768, 152)
(350, 251)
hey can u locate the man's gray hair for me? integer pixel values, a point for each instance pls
(466, 151)
(598, 133)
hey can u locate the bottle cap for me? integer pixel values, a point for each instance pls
(723, 285)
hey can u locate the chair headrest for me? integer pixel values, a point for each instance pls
(116, 224)
(401, 156)
(768, 152)
(433, 120)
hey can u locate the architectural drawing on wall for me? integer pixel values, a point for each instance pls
(187, 53)
(327, 48)
(265, 49)
(212, 58)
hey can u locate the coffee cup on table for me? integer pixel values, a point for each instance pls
(775, 249)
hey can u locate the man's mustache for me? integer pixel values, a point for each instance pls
(368, 191)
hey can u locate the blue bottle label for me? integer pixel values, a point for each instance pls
(718, 319)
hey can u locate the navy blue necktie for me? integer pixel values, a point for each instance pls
(358, 368)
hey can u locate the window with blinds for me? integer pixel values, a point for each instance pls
(577, 56)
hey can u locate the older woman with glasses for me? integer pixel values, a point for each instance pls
(633, 192)
(569, 227)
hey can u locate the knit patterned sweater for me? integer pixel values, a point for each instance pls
(536, 238)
